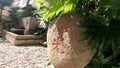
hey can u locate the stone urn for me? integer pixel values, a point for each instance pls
(65, 50)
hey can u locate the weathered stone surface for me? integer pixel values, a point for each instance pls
(50, 66)
(65, 50)
(22, 39)
(30, 23)
(17, 31)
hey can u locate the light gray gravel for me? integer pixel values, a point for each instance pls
(12, 56)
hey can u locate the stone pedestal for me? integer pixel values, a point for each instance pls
(65, 50)
(16, 39)
(17, 31)
(30, 24)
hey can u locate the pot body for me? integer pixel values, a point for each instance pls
(65, 50)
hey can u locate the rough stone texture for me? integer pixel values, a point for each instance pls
(12, 56)
(22, 39)
(50, 66)
(65, 50)
(30, 23)
(17, 31)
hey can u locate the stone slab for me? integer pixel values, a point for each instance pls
(22, 39)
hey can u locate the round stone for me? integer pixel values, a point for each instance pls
(65, 50)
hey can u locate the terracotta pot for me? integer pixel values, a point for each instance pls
(65, 50)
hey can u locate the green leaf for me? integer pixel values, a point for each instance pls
(85, 36)
(57, 7)
(94, 43)
(102, 42)
(114, 4)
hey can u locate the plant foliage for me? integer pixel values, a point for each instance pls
(15, 14)
(57, 6)
(114, 4)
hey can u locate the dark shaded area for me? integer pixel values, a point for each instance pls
(28, 10)
(32, 45)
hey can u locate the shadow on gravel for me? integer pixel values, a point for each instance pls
(32, 45)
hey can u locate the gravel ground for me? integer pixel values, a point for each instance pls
(12, 56)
